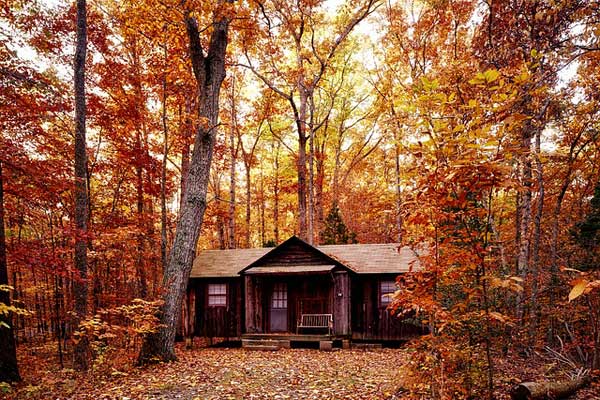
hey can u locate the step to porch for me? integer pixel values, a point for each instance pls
(265, 344)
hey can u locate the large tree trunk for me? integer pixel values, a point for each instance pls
(9, 370)
(186, 134)
(80, 287)
(209, 71)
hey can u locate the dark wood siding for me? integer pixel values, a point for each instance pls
(370, 321)
(225, 322)
(294, 254)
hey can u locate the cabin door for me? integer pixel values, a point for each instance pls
(278, 315)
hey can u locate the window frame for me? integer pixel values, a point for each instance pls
(217, 294)
(388, 300)
(279, 296)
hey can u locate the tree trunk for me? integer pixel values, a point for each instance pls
(232, 183)
(547, 390)
(80, 287)
(140, 149)
(524, 210)
(263, 237)
(209, 71)
(185, 151)
(537, 234)
(276, 197)
(300, 116)
(311, 177)
(9, 370)
(163, 171)
(399, 221)
(248, 199)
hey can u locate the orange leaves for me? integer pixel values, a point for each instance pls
(513, 283)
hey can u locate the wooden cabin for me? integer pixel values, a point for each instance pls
(298, 292)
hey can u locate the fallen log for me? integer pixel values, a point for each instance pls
(547, 390)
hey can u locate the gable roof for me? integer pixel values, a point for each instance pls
(359, 258)
(304, 252)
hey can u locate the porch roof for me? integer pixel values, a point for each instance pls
(289, 269)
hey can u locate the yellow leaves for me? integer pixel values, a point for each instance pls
(512, 283)
(578, 289)
(429, 85)
(487, 77)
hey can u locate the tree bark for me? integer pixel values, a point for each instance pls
(80, 287)
(232, 182)
(276, 197)
(185, 151)
(537, 234)
(209, 72)
(9, 371)
(524, 211)
(248, 200)
(547, 390)
(163, 170)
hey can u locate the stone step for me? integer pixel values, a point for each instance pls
(264, 347)
(259, 342)
(367, 346)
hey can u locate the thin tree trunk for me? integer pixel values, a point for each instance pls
(311, 175)
(232, 181)
(276, 197)
(163, 171)
(248, 200)
(209, 72)
(537, 233)
(524, 211)
(399, 222)
(80, 352)
(9, 370)
(262, 207)
(140, 149)
(300, 116)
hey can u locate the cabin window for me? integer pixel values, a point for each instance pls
(279, 299)
(386, 289)
(217, 294)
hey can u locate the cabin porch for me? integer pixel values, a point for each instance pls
(300, 304)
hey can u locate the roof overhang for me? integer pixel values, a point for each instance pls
(288, 269)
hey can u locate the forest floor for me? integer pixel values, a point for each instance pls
(233, 373)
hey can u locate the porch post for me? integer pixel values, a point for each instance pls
(253, 302)
(249, 303)
(341, 303)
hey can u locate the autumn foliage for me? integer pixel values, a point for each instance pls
(466, 128)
